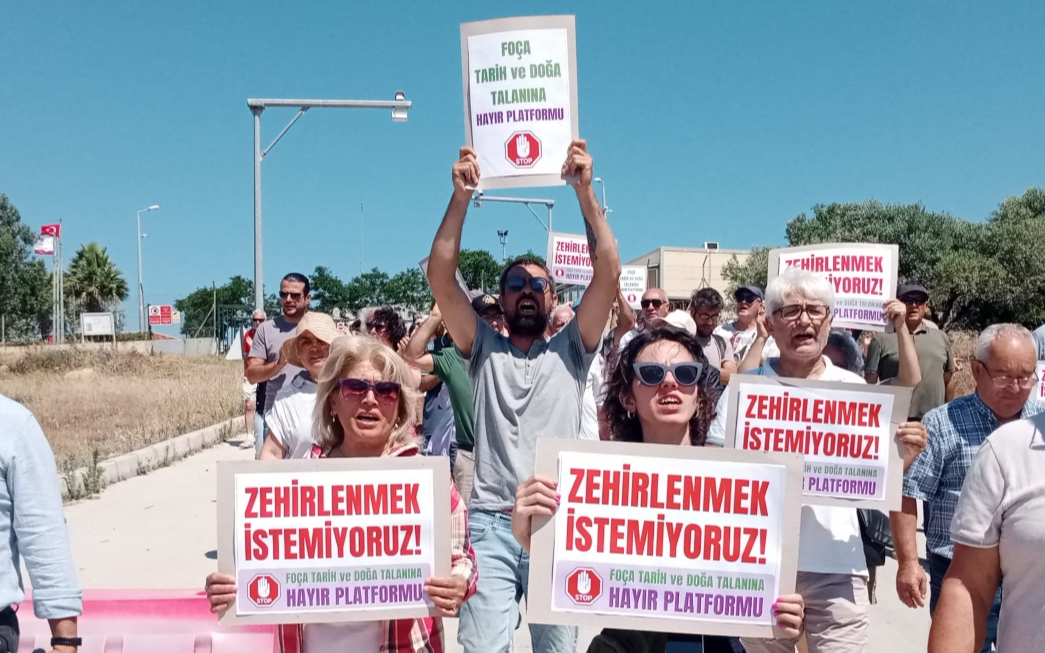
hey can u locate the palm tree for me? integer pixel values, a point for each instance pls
(93, 281)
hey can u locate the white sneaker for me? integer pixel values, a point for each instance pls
(248, 442)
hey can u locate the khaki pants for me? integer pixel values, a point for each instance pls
(836, 616)
(464, 471)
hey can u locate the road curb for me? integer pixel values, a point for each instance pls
(143, 461)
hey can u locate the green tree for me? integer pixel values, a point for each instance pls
(481, 271)
(25, 284)
(197, 309)
(752, 271)
(93, 281)
(409, 289)
(328, 291)
(368, 289)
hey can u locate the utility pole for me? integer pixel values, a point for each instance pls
(503, 235)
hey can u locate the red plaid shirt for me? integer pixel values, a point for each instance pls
(422, 635)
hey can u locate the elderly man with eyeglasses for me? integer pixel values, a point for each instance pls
(832, 569)
(253, 393)
(1004, 369)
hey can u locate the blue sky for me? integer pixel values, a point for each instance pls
(708, 121)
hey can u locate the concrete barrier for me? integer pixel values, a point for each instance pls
(149, 621)
(152, 457)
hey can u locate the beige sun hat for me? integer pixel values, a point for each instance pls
(319, 325)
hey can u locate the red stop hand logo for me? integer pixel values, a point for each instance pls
(522, 150)
(583, 586)
(263, 590)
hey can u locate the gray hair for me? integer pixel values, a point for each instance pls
(795, 281)
(995, 331)
(565, 309)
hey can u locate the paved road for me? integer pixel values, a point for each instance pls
(158, 531)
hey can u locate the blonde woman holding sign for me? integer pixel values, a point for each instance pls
(366, 403)
(662, 391)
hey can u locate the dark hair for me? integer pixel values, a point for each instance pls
(526, 259)
(394, 326)
(297, 277)
(851, 354)
(706, 297)
(626, 427)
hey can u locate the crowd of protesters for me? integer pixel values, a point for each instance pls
(484, 375)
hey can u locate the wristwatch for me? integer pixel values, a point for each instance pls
(66, 641)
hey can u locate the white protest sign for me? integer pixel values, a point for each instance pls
(845, 431)
(677, 539)
(863, 276)
(633, 284)
(460, 278)
(333, 540)
(520, 98)
(569, 260)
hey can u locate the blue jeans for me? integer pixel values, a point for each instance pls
(938, 566)
(259, 434)
(489, 618)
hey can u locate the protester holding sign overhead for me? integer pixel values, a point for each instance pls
(524, 387)
(365, 408)
(662, 392)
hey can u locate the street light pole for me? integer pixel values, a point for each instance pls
(141, 286)
(478, 198)
(503, 235)
(606, 210)
(399, 106)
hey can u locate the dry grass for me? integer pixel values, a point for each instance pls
(963, 344)
(130, 401)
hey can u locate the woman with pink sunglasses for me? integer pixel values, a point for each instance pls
(366, 407)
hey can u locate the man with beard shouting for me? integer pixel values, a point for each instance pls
(524, 386)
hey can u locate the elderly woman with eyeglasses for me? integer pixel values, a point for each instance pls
(661, 391)
(366, 408)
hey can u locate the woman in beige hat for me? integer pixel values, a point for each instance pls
(289, 421)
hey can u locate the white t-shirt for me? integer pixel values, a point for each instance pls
(594, 396)
(290, 420)
(742, 340)
(829, 542)
(1002, 505)
(360, 636)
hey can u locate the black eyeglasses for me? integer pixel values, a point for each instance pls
(537, 284)
(656, 303)
(376, 326)
(791, 312)
(653, 374)
(386, 392)
(258, 319)
(746, 299)
(292, 295)
(917, 300)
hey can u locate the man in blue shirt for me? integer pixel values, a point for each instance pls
(1004, 369)
(32, 525)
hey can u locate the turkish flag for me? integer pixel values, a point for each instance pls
(52, 230)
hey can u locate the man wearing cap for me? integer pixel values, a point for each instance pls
(932, 346)
(705, 307)
(741, 332)
(290, 417)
